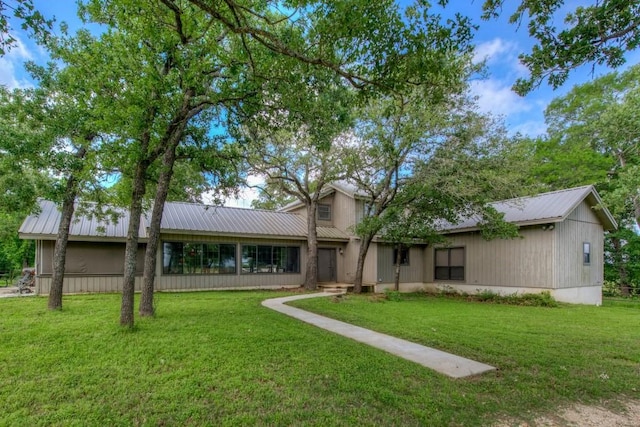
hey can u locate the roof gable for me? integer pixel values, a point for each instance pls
(551, 207)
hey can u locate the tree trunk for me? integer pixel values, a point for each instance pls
(60, 250)
(365, 242)
(131, 249)
(146, 299)
(623, 274)
(396, 276)
(311, 279)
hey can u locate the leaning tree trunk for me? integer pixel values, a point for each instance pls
(60, 250)
(131, 249)
(150, 260)
(311, 279)
(171, 141)
(365, 242)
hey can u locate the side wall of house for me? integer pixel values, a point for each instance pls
(89, 267)
(575, 280)
(238, 280)
(98, 267)
(515, 265)
(411, 275)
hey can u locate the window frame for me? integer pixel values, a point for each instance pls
(404, 261)
(198, 251)
(327, 212)
(450, 268)
(586, 253)
(283, 256)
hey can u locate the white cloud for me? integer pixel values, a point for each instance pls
(11, 63)
(493, 51)
(501, 57)
(532, 128)
(497, 98)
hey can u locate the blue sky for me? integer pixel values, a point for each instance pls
(496, 41)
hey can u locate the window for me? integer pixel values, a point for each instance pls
(449, 264)
(198, 258)
(324, 212)
(586, 253)
(404, 255)
(270, 259)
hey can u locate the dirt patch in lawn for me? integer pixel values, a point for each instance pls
(614, 414)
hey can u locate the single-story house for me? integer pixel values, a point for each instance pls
(205, 247)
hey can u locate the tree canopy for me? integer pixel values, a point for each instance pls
(599, 33)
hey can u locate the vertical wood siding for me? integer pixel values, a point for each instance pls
(344, 210)
(370, 273)
(412, 273)
(581, 226)
(520, 262)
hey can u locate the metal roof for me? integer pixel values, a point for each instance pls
(45, 224)
(550, 207)
(183, 218)
(192, 217)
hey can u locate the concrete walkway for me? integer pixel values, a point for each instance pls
(12, 291)
(440, 361)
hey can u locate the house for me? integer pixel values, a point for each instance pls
(204, 247)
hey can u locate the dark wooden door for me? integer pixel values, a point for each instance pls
(326, 265)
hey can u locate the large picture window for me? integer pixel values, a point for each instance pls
(449, 264)
(198, 258)
(270, 259)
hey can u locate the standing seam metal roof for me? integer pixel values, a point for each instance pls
(553, 206)
(182, 218)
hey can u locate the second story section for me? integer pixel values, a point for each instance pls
(340, 206)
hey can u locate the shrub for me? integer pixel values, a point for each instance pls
(611, 289)
(392, 295)
(543, 299)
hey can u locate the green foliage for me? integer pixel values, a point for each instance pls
(394, 296)
(31, 19)
(611, 289)
(600, 33)
(542, 299)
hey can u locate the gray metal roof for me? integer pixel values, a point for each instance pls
(45, 224)
(543, 208)
(192, 217)
(183, 218)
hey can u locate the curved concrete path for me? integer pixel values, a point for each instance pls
(440, 361)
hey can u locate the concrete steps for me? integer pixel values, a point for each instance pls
(335, 288)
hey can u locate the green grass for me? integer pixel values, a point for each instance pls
(220, 358)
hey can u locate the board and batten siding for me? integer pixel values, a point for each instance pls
(581, 226)
(344, 212)
(85, 284)
(525, 262)
(229, 281)
(412, 273)
(90, 267)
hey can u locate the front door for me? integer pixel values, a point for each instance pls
(326, 265)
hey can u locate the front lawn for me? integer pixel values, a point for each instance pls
(220, 358)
